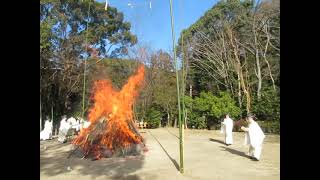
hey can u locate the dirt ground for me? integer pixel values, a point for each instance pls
(206, 157)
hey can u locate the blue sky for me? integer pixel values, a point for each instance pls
(153, 26)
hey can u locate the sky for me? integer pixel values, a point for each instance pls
(153, 25)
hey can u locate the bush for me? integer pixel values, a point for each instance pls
(201, 122)
(270, 126)
(212, 107)
(197, 122)
(153, 118)
(224, 104)
(193, 120)
(268, 107)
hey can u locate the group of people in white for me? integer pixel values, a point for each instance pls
(254, 135)
(68, 126)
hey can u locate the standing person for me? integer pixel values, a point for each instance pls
(254, 138)
(46, 133)
(226, 128)
(141, 123)
(63, 130)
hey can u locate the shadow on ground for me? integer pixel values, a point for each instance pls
(54, 161)
(172, 160)
(236, 152)
(172, 134)
(216, 140)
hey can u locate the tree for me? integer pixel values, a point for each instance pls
(153, 118)
(234, 47)
(160, 83)
(69, 31)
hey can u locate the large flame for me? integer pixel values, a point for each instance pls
(117, 107)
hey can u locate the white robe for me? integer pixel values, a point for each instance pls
(46, 133)
(72, 121)
(84, 124)
(254, 138)
(63, 130)
(75, 124)
(226, 128)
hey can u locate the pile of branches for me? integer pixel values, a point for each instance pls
(94, 145)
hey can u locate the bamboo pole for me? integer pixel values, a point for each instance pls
(182, 94)
(184, 75)
(183, 126)
(178, 91)
(183, 82)
(85, 68)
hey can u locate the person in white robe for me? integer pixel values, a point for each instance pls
(46, 133)
(63, 129)
(254, 137)
(141, 124)
(72, 121)
(75, 126)
(83, 123)
(226, 129)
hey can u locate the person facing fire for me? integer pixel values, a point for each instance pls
(226, 128)
(254, 138)
(46, 133)
(63, 129)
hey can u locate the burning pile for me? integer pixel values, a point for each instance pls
(112, 131)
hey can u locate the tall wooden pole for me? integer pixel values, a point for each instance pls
(178, 91)
(183, 82)
(40, 115)
(184, 77)
(85, 68)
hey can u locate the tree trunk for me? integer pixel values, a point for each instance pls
(238, 69)
(168, 119)
(175, 122)
(56, 129)
(185, 119)
(258, 76)
(258, 73)
(40, 116)
(186, 115)
(52, 113)
(244, 88)
(265, 58)
(270, 73)
(239, 92)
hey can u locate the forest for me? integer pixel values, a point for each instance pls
(229, 62)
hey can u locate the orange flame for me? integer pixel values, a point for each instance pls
(117, 107)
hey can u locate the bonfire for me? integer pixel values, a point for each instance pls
(112, 131)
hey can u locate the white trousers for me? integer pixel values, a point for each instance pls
(255, 151)
(228, 138)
